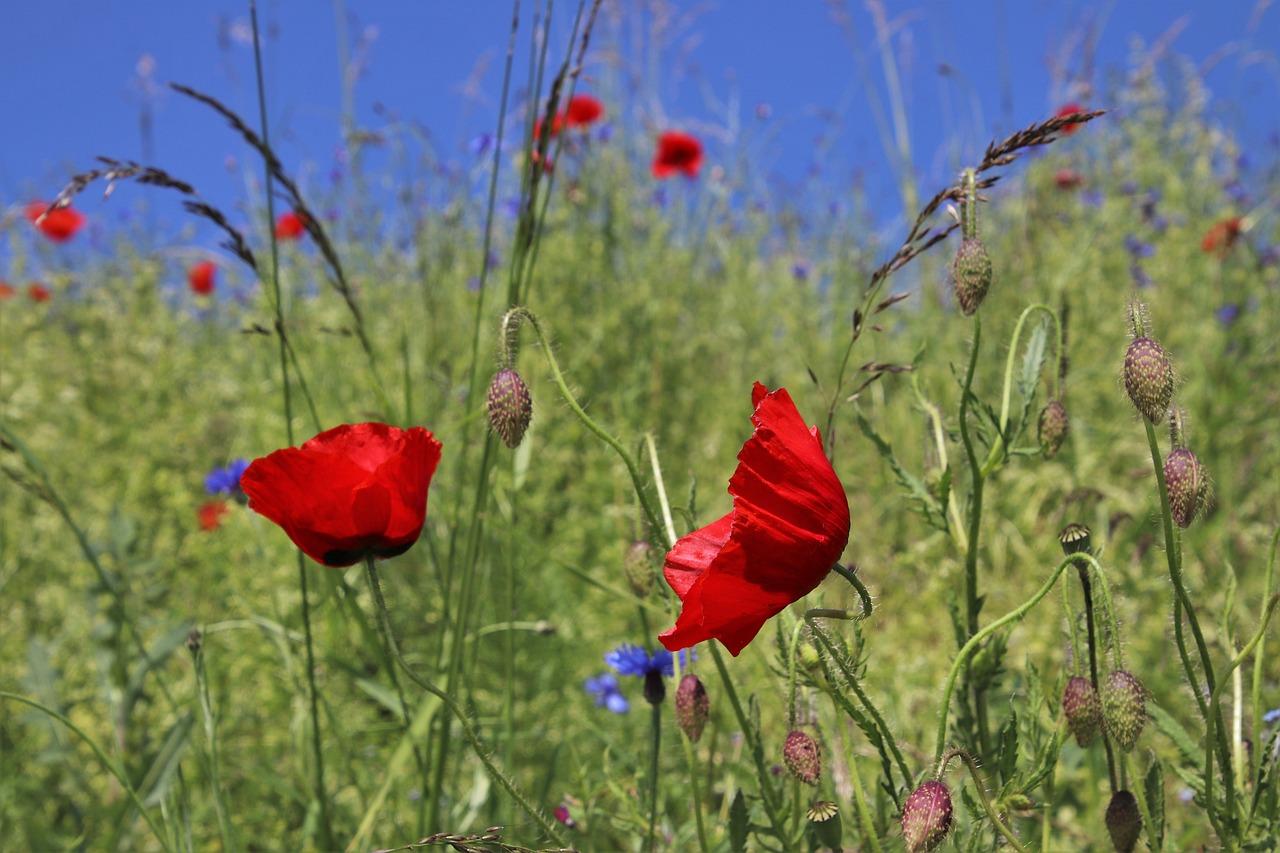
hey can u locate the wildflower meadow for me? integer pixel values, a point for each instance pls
(595, 483)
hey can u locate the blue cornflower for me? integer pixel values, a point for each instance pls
(1272, 716)
(225, 480)
(630, 659)
(604, 688)
(1228, 313)
(605, 132)
(800, 270)
(480, 145)
(1138, 248)
(1140, 277)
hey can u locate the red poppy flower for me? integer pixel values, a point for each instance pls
(1222, 236)
(1067, 179)
(677, 152)
(583, 110)
(58, 225)
(353, 491)
(1069, 109)
(211, 514)
(6, 290)
(38, 292)
(290, 226)
(788, 527)
(200, 278)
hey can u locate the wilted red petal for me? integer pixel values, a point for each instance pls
(352, 491)
(677, 152)
(201, 277)
(788, 527)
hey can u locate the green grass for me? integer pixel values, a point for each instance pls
(127, 400)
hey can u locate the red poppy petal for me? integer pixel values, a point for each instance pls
(694, 552)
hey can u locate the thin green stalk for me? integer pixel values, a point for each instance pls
(985, 798)
(689, 755)
(997, 452)
(655, 746)
(316, 749)
(229, 842)
(962, 658)
(115, 771)
(852, 577)
(865, 823)
(1259, 665)
(977, 479)
(1087, 588)
(477, 746)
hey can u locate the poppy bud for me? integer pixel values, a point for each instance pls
(1148, 377)
(637, 569)
(510, 406)
(1075, 539)
(692, 706)
(1185, 480)
(926, 816)
(654, 690)
(1124, 822)
(802, 757)
(1054, 426)
(1082, 708)
(1124, 708)
(194, 640)
(971, 274)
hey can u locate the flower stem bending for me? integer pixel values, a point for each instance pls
(984, 797)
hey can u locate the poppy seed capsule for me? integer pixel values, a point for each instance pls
(1185, 481)
(971, 274)
(692, 707)
(802, 756)
(1082, 708)
(1054, 426)
(1074, 539)
(1124, 821)
(636, 568)
(926, 816)
(1148, 377)
(1124, 708)
(510, 406)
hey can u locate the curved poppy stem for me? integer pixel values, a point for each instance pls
(509, 340)
(962, 658)
(983, 796)
(998, 447)
(851, 575)
(477, 746)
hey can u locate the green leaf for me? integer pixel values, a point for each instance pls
(934, 512)
(738, 823)
(155, 785)
(1154, 789)
(1008, 762)
(1173, 730)
(1029, 377)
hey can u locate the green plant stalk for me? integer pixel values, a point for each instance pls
(495, 772)
(962, 657)
(985, 798)
(316, 749)
(1087, 588)
(690, 758)
(655, 747)
(1173, 554)
(229, 842)
(1071, 630)
(115, 771)
(977, 479)
(1216, 716)
(1259, 667)
(865, 823)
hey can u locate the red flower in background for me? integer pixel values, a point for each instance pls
(38, 292)
(6, 290)
(211, 514)
(354, 491)
(582, 111)
(1222, 236)
(788, 527)
(1068, 179)
(1069, 109)
(677, 152)
(201, 277)
(290, 226)
(57, 225)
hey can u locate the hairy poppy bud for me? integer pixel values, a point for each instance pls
(802, 757)
(1082, 708)
(637, 569)
(194, 640)
(1075, 539)
(926, 816)
(971, 274)
(1124, 708)
(1124, 822)
(1188, 488)
(1054, 426)
(692, 706)
(1148, 377)
(510, 406)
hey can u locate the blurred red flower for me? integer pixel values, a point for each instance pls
(38, 292)
(1222, 236)
(58, 225)
(1069, 109)
(677, 152)
(583, 110)
(788, 527)
(6, 290)
(211, 514)
(1068, 179)
(290, 226)
(353, 491)
(201, 277)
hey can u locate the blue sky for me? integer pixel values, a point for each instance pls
(969, 70)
